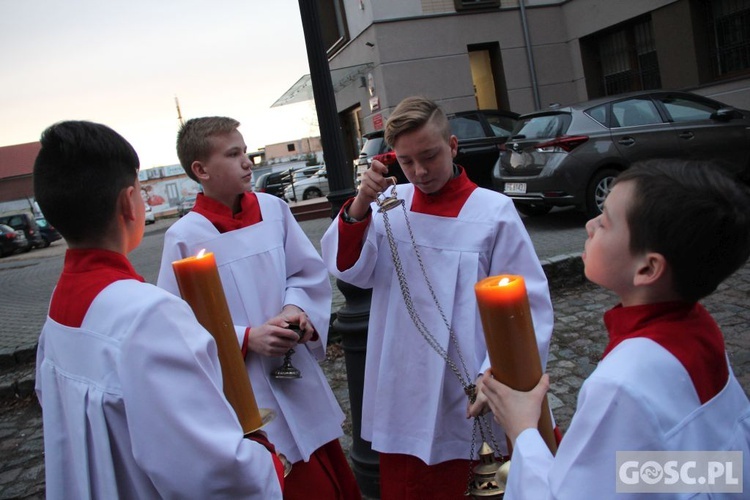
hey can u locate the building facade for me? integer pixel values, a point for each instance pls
(293, 150)
(525, 55)
(16, 181)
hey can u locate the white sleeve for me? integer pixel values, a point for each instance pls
(609, 418)
(184, 433)
(361, 273)
(514, 253)
(307, 283)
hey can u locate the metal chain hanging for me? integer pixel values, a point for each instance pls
(470, 389)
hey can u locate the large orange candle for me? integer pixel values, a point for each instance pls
(511, 343)
(200, 286)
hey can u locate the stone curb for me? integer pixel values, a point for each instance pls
(17, 368)
(564, 270)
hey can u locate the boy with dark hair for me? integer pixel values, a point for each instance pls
(414, 405)
(669, 234)
(273, 278)
(129, 382)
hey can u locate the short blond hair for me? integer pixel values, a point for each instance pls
(193, 139)
(411, 114)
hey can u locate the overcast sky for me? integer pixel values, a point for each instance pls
(122, 62)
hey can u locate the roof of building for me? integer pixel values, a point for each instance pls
(18, 160)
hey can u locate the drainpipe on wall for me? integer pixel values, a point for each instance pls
(529, 55)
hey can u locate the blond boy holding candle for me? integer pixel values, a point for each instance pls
(129, 382)
(272, 277)
(414, 407)
(669, 234)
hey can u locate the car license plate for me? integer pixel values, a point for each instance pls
(515, 188)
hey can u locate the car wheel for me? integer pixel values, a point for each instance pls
(598, 190)
(45, 243)
(533, 209)
(312, 193)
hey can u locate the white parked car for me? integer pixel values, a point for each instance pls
(301, 174)
(150, 218)
(314, 186)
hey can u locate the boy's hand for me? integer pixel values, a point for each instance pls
(296, 316)
(374, 182)
(272, 338)
(480, 406)
(515, 411)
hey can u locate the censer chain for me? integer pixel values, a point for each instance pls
(468, 386)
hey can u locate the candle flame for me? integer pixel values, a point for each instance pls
(504, 281)
(201, 254)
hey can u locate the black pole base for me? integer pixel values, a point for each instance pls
(351, 324)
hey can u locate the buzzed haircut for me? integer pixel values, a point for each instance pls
(695, 215)
(411, 114)
(79, 173)
(193, 139)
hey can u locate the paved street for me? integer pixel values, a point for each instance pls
(578, 339)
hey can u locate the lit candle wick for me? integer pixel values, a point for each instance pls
(504, 282)
(201, 254)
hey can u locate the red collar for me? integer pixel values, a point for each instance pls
(85, 274)
(447, 202)
(686, 330)
(221, 215)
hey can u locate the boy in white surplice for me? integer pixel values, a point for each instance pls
(129, 381)
(669, 234)
(272, 277)
(414, 407)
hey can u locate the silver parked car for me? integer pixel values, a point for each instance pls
(570, 155)
(313, 186)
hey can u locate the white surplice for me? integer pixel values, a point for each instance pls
(133, 406)
(640, 397)
(263, 267)
(413, 404)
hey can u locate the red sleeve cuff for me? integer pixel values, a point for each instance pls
(351, 236)
(245, 340)
(277, 465)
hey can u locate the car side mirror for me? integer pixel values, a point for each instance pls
(725, 114)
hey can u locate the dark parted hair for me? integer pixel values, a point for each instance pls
(193, 142)
(695, 215)
(79, 173)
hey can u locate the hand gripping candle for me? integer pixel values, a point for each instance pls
(511, 342)
(200, 286)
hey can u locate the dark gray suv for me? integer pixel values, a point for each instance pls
(570, 155)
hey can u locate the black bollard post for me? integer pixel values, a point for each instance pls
(351, 324)
(351, 321)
